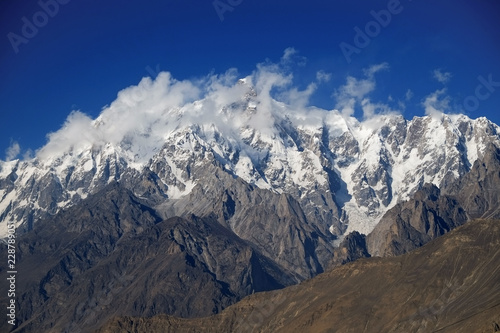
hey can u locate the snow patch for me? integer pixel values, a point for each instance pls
(6, 168)
(359, 220)
(88, 166)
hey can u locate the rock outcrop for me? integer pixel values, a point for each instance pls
(112, 255)
(433, 212)
(449, 285)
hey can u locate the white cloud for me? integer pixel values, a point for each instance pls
(137, 109)
(13, 151)
(291, 57)
(401, 105)
(355, 90)
(442, 77)
(373, 109)
(288, 54)
(142, 116)
(409, 95)
(28, 154)
(298, 99)
(323, 76)
(76, 133)
(369, 72)
(436, 103)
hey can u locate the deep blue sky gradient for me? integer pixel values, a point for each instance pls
(92, 49)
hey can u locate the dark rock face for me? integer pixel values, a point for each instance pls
(432, 289)
(322, 164)
(274, 223)
(186, 235)
(352, 248)
(411, 224)
(432, 212)
(55, 253)
(479, 190)
(112, 255)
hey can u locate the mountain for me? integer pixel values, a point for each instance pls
(168, 205)
(77, 274)
(344, 174)
(449, 285)
(432, 211)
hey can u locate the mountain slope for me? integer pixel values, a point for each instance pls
(111, 255)
(448, 285)
(196, 203)
(345, 174)
(274, 223)
(433, 212)
(55, 253)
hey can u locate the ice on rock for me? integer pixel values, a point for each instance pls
(366, 167)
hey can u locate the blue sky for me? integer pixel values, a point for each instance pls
(83, 52)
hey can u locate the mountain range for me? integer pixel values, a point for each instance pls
(185, 208)
(344, 173)
(449, 285)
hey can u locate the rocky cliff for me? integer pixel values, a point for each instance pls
(433, 212)
(448, 285)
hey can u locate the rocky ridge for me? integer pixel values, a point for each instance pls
(433, 212)
(258, 198)
(345, 174)
(433, 288)
(77, 275)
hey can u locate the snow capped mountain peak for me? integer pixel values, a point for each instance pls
(345, 172)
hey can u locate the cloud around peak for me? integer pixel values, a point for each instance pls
(436, 103)
(354, 93)
(12, 151)
(143, 115)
